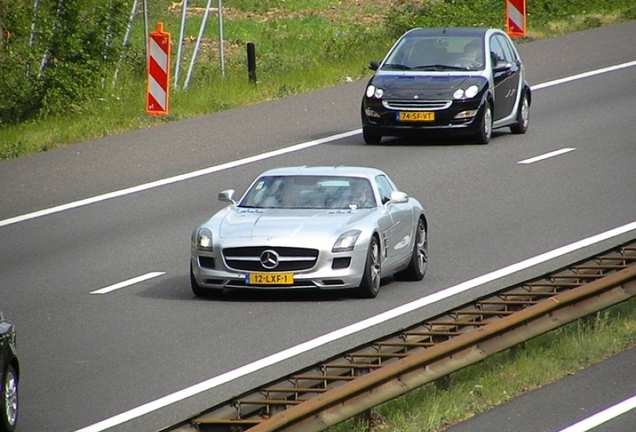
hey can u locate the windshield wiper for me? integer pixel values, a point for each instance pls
(437, 67)
(397, 66)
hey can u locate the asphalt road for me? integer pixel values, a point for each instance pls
(88, 357)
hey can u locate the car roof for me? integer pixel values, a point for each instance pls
(340, 170)
(449, 31)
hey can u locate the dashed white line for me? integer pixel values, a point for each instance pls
(127, 283)
(546, 156)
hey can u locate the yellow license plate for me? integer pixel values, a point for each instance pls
(416, 116)
(269, 278)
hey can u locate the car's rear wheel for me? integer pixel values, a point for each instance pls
(419, 258)
(9, 400)
(484, 133)
(523, 116)
(200, 291)
(371, 137)
(370, 284)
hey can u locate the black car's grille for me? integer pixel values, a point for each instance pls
(414, 104)
(287, 258)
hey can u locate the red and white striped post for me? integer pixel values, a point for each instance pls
(516, 17)
(158, 72)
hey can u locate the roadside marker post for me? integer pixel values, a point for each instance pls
(158, 90)
(516, 18)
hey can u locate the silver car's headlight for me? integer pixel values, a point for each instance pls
(346, 241)
(204, 239)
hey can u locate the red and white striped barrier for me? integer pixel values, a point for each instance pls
(516, 17)
(158, 93)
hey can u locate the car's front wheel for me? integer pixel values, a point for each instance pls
(484, 133)
(9, 400)
(200, 291)
(523, 116)
(371, 138)
(419, 258)
(370, 284)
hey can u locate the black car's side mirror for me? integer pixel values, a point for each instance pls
(502, 66)
(374, 65)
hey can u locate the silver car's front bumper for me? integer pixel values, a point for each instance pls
(330, 271)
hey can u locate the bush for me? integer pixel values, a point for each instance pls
(59, 66)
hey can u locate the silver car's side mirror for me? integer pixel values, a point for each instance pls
(227, 196)
(398, 197)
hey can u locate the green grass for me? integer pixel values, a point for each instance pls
(301, 45)
(503, 376)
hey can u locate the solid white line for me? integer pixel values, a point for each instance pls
(584, 75)
(546, 156)
(251, 159)
(349, 330)
(603, 416)
(178, 178)
(128, 282)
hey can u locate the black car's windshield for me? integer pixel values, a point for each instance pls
(310, 192)
(436, 53)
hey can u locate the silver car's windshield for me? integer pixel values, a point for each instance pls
(310, 192)
(436, 53)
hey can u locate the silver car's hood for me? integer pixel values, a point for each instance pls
(274, 223)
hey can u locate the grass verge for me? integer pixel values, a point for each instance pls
(508, 374)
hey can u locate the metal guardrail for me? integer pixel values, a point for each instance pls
(358, 380)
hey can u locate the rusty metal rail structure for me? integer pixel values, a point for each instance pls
(358, 380)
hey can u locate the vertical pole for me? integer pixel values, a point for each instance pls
(251, 62)
(146, 29)
(184, 8)
(196, 47)
(221, 55)
(45, 57)
(34, 19)
(133, 12)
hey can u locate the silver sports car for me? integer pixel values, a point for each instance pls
(311, 228)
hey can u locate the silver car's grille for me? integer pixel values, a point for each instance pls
(414, 104)
(270, 258)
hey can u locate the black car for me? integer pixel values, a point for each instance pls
(9, 373)
(447, 80)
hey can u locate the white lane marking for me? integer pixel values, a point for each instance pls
(128, 282)
(251, 159)
(584, 75)
(547, 155)
(349, 330)
(602, 416)
(178, 178)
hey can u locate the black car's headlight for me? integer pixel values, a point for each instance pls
(374, 92)
(467, 93)
(204, 239)
(346, 241)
